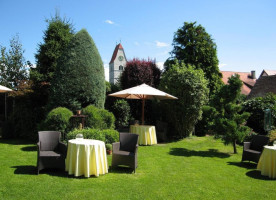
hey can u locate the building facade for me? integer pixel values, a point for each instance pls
(117, 64)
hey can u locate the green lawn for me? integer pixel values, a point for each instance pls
(194, 168)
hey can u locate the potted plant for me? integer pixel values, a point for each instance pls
(108, 149)
(272, 137)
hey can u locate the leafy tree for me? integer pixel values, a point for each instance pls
(13, 65)
(190, 86)
(138, 72)
(256, 108)
(229, 120)
(193, 45)
(56, 38)
(79, 79)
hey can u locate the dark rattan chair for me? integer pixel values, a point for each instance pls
(51, 152)
(125, 151)
(253, 150)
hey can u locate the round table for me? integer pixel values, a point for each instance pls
(147, 134)
(267, 162)
(86, 157)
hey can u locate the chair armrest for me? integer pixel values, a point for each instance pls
(246, 145)
(63, 148)
(38, 148)
(136, 148)
(115, 146)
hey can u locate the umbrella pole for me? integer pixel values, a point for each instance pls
(5, 106)
(143, 105)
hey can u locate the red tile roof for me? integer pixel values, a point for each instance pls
(246, 78)
(118, 46)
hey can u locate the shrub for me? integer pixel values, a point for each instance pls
(88, 133)
(256, 108)
(58, 119)
(190, 87)
(79, 76)
(121, 110)
(98, 118)
(108, 119)
(108, 135)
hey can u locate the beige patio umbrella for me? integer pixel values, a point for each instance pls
(143, 92)
(4, 89)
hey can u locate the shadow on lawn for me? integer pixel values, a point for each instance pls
(256, 174)
(247, 165)
(29, 148)
(120, 170)
(32, 170)
(15, 141)
(188, 153)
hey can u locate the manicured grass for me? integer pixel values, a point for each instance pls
(194, 168)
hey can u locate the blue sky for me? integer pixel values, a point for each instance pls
(244, 30)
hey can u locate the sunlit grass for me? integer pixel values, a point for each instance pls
(194, 168)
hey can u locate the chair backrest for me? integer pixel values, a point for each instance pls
(258, 142)
(48, 140)
(128, 142)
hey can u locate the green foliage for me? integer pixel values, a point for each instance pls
(88, 133)
(58, 119)
(108, 135)
(190, 86)
(229, 120)
(193, 45)
(98, 118)
(108, 146)
(56, 38)
(205, 124)
(256, 108)
(108, 119)
(12, 64)
(21, 122)
(111, 136)
(79, 79)
(121, 110)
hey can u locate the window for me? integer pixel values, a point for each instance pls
(121, 67)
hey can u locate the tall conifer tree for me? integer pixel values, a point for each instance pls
(79, 79)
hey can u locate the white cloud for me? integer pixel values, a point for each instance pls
(161, 44)
(136, 43)
(160, 65)
(221, 65)
(109, 21)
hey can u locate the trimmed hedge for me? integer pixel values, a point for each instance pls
(98, 118)
(108, 135)
(58, 119)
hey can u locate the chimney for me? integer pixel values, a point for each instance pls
(253, 74)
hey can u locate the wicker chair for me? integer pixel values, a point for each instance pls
(253, 150)
(51, 152)
(125, 151)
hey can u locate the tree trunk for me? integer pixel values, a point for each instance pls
(234, 146)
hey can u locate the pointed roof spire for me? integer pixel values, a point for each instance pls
(118, 46)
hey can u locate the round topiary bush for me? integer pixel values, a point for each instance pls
(58, 119)
(110, 136)
(121, 110)
(108, 119)
(98, 118)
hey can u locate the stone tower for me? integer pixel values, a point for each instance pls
(117, 64)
